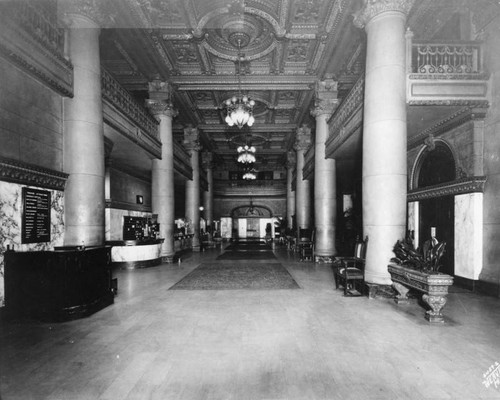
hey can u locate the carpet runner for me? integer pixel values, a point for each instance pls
(231, 276)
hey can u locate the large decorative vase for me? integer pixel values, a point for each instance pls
(434, 287)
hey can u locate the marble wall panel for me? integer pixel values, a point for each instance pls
(469, 235)
(10, 229)
(114, 221)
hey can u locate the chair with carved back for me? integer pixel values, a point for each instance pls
(349, 272)
(306, 244)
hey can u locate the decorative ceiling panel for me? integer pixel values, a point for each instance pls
(280, 48)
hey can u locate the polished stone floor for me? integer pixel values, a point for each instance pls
(308, 343)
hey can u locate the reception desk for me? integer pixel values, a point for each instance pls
(133, 254)
(61, 285)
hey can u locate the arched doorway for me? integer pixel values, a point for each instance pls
(250, 221)
(437, 214)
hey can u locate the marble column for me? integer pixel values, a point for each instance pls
(162, 174)
(208, 195)
(384, 172)
(83, 132)
(192, 145)
(290, 194)
(303, 187)
(325, 190)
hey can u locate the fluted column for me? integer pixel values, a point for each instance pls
(290, 195)
(384, 174)
(83, 132)
(303, 187)
(208, 195)
(192, 145)
(325, 190)
(162, 174)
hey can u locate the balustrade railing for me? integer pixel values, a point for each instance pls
(123, 101)
(464, 58)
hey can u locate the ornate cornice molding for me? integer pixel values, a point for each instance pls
(483, 76)
(452, 121)
(29, 174)
(466, 185)
(125, 205)
(372, 8)
(469, 103)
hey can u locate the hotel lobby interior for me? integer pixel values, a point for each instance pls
(249, 199)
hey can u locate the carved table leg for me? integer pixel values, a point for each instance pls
(436, 303)
(402, 297)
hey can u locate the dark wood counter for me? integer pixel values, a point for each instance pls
(60, 285)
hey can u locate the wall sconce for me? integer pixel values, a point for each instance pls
(139, 199)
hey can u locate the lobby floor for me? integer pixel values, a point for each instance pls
(307, 343)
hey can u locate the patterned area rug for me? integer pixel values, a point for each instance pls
(247, 255)
(220, 276)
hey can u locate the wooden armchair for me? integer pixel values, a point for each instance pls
(305, 244)
(350, 271)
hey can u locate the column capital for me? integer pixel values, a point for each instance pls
(291, 159)
(372, 8)
(192, 139)
(159, 108)
(82, 13)
(325, 101)
(207, 160)
(303, 138)
(160, 98)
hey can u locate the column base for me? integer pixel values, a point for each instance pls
(324, 259)
(197, 249)
(167, 259)
(376, 290)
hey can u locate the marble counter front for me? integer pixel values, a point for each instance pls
(132, 254)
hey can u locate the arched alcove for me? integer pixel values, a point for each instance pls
(436, 165)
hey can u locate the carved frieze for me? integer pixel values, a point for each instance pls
(29, 174)
(31, 40)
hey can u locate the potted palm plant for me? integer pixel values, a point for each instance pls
(419, 270)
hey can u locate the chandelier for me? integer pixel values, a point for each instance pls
(239, 109)
(249, 176)
(246, 154)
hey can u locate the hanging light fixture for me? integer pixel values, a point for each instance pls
(249, 176)
(246, 154)
(239, 109)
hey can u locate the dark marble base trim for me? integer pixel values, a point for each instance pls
(488, 288)
(137, 264)
(465, 283)
(478, 286)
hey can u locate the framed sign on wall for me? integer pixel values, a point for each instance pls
(35, 217)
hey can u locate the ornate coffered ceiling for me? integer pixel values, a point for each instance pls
(285, 47)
